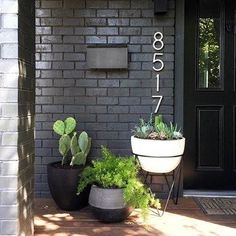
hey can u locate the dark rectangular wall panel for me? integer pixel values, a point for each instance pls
(107, 57)
(210, 137)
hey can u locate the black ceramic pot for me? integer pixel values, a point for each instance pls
(63, 182)
(108, 204)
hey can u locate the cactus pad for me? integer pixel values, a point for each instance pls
(83, 141)
(64, 145)
(78, 159)
(70, 124)
(59, 127)
(74, 144)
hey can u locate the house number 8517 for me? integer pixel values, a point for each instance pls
(158, 64)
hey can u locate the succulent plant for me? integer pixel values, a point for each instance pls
(156, 129)
(70, 142)
(143, 129)
(80, 148)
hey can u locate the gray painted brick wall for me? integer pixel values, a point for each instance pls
(17, 78)
(105, 103)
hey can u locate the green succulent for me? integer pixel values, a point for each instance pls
(70, 143)
(157, 129)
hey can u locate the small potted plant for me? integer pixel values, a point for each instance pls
(63, 176)
(158, 146)
(116, 188)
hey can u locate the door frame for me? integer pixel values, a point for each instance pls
(179, 69)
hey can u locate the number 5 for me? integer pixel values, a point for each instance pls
(157, 60)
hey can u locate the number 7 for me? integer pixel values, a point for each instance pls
(159, 102)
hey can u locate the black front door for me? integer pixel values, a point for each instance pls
(210, 95)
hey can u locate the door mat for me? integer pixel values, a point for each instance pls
(217, 206)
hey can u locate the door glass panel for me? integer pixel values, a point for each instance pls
(209, 66)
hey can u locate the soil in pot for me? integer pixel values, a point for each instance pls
(63, 183)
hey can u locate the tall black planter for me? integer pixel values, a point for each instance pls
(63, 184)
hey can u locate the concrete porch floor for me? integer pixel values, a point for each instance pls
(186, 218)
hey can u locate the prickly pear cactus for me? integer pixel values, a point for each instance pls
(70, 125)
(74, 144)
(80, 148)
(64, 146)
(69, 141)
(59, 127)
(83, 141)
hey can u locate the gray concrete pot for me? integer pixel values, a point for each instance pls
(108, 204)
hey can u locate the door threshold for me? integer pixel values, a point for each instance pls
(205, 193)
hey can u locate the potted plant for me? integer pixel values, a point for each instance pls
(63, 176)
(158, 146)
(116, 188)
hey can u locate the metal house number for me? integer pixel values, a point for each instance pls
(158, 64)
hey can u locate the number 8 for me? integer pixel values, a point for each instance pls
(158, 40)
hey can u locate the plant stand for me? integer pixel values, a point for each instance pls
(176, 176)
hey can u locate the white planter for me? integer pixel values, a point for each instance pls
(158, 156)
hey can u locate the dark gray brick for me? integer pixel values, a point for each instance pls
(119, 92)
(63, 48)
(118, 109)
(140, 109)
(107, 117)
(52, 91)
(74, 108)
(73, 21)
(129, 100)
(130, 31)
(118, 39)
(73, 39)
(62, 12)
(108, 83)
(63, 65)
(118, 22)
(64, 83)
(96, 91)
(74, 56)
(85, 100)
(73, 74)
(96, 39)
(107, 30)
(51, 56)
(51, 21)
(107, 101)
(62, 30)
(96, 3)
(51, 4)
(52, 108)
(107, 13)
(74, 91)
(85, 31)
(140, 92)
(119, 4)
(142, 4)
(85, 13)
(86, 83)
(96, 109)
(74, 4)
(140, 22)
(129, 13)
(95, 22)
(140, 40)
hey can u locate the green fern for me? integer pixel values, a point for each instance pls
(119, 172)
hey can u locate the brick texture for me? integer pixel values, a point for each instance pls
(17, 85)
(105, 103)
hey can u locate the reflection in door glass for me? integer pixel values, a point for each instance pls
(209, 45)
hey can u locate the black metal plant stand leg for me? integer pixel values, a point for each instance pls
(175, 176)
